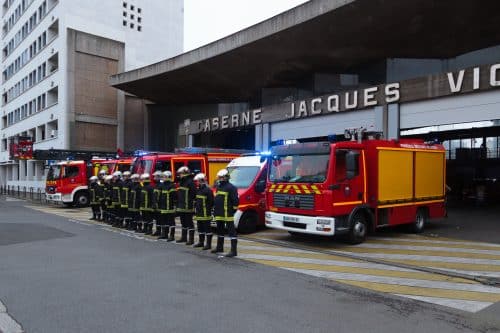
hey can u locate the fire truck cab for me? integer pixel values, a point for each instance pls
(248, 173)
(351, 187)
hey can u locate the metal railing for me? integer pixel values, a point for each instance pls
(34, 194)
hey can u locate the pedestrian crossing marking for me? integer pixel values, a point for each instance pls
(467, 257)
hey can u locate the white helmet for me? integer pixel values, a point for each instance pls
(93, 178)
(200, 178)
(167, 174)
(103, 172)
(223, 173)
(157, 173)
(127, 174)
(108, 178)
(135, 176)
(183, 170)
(145, 176)
(117, 174)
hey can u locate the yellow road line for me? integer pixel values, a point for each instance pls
(366, 271)
(419, 291)
(450, 265)
(479, 246)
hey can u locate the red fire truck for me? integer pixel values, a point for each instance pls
(67, 181)
(206, 160)
(350, 187)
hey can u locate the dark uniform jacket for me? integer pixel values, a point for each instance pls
(167, 198)
(186, 193)
(107, 194)
(134, 195)
(94, 190)
(204, 203)
(147, 198)
(116, 188)
(225, 202)
(125, 192)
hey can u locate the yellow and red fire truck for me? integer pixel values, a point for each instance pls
(350, 187)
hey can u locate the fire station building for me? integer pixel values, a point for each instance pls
(423, 68)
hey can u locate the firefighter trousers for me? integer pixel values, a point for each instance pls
(222, 226)
(187, 220)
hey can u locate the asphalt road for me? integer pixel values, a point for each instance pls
(60, 276)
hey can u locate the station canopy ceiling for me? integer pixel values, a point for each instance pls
(326, 36)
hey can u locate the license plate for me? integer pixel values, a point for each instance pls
(290, 219)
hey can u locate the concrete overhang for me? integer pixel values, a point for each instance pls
(327, 36)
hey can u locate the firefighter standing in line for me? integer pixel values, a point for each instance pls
(147, 204)
(203, 211)
(95, 203)
(102, 191)
(169, 201)
(186, 193)
(133, 202)
(164, 206)
(116, 189)
(125, 192)
(225, 205)
(157, 176)
(107, 198)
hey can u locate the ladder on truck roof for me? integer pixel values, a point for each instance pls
(207, 150)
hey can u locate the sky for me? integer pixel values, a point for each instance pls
(208, 20)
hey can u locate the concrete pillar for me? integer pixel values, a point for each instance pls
(393, 121)
(258, 137)
(266, 136)
(22, 170)
(381, 120)
(190, 140)
(3, 175)
(31, 166)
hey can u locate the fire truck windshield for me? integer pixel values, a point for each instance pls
(242, 176)
(306, 168)
(141, 166)
(54, 172)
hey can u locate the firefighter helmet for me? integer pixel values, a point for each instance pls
(93, 178)
(103, 172)
(157, 173)
(167, 174)
(200, 178)
(108, 178)
(117, 174)
(135, 176)
(223, 173)
(145, 176)
(183, 170)
(127, 174)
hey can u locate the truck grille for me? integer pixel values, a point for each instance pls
(300, 201)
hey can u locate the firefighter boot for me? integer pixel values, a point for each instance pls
(141, 227)
(171, 238)
(163, 232)
(232, 253)
(201, 241)
(157, 231)
(220, 245)
(183, 238)
(149, 228)
(208, 246)
(190, 237)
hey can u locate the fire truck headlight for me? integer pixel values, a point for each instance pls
(323, 221)
(268, 215)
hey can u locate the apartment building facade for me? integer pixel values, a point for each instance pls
(57, 56)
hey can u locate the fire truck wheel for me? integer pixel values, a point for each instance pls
(248, 223)
(420, 221)
(81, 199)
(359, 229)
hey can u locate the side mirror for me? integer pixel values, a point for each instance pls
(260, 186)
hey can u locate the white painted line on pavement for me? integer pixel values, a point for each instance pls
(399, 281)
(427, 258)
(471, 306)
(322, 262)
(431, 241)
(7, 323)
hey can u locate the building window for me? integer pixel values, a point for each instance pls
(132, 16)
(131, 26)
(139, 10)
(124, 23)
(139, 28)
(124, 5)
(139, 19)
(132, 7)
(124, 14)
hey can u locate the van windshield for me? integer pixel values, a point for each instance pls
(305, 168)
(142, 166)
(242, 176)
